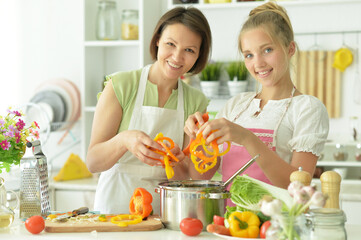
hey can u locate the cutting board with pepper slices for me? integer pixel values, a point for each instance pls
(149, 224)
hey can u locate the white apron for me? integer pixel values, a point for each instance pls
(116, 185)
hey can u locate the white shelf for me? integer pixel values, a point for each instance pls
(119, 43)
(252, 4)
(101, 58)
(344, 181)
(90, 109)
(338, 164)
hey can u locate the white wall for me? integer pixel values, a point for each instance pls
(41, 40)
(9, 54)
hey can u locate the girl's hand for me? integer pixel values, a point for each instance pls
(190, 127)
(223, 130)
(138, 143)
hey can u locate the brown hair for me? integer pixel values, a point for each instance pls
(193, 19)
(274, 20)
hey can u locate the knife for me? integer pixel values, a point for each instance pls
(74, 213)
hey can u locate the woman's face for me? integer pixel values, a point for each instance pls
(178, 50)
(265, 60)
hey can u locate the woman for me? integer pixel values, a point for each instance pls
(137, 105)
(288, 129)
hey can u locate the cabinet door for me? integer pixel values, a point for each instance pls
(68, 200)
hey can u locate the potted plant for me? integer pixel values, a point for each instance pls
(209, 77)
(237, 73)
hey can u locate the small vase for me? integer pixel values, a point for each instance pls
(286, 227)
(210, 88)
(236, 87)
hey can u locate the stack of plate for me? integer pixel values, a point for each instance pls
(60, 100)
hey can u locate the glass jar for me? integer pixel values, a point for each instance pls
(107, 26)
(340, 154)
(6, 213)
(358, 152)
(286, 227)
(130, 24)
(326, 223)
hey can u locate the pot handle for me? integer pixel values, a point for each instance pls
(221, 195)
(157, 190)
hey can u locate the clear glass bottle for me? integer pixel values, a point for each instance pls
(107, 26)
(326, 223)
(130, 24)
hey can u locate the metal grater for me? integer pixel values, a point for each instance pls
(34, 194)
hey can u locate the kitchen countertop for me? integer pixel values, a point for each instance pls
(17, 231)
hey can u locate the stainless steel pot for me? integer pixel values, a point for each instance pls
(201, 199)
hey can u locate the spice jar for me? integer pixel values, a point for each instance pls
(326, 223)
(340, 154)
(130, 24)
(358, 152)
(107, 26)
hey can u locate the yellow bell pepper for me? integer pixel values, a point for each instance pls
(244, 224)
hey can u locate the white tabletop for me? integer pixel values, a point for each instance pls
(17, 231)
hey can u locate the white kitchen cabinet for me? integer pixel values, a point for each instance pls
(72, 194)
(101, 58)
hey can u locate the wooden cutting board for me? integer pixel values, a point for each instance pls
(150, 224)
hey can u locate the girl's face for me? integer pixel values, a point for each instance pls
(266, 60)
(178, 50)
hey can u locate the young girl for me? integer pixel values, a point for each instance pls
(288, 129)
(135, 106)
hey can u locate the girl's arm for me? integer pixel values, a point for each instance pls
(275, 168)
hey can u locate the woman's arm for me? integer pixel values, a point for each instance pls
(107, 146)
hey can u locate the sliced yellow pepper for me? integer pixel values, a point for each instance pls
(102, 218)
(166, 154)
(244, 224)
(124, 220)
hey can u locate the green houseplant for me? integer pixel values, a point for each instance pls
(211, 72)
(237, 73)
(210, 77)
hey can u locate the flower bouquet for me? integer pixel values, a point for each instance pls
(290, 224)
(13, 138)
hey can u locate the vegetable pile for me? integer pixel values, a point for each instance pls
(246, 219)
(239, 224)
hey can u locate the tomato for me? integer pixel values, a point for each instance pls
(35, 224)
(218, 220)
(191, 226)
(264, 227)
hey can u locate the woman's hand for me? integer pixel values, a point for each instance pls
(178, 153)
(138, 143)
(190, 127)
